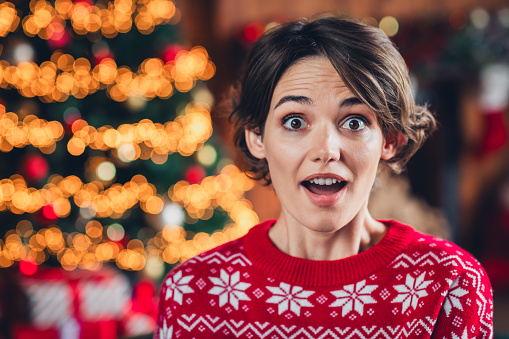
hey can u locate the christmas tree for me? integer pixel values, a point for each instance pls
(106, 140)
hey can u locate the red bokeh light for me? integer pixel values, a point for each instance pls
(253, 31)
(48, 212)
(170, 53)
(27, 266)
(36, 167)
(458, 19)
(60, 39)
(195, 174)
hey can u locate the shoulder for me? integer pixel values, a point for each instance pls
(467, 304)
(437, 256)
(443, 261)
(442, 252)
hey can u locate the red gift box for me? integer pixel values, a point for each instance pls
(94, 301)
(86, 330)
(26, 332)
(99, 330)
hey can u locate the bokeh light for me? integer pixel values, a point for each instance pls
(106, 171)
(27, 266)
(100, 243)
(172, 215)
(62, 76)
(115, 232)
(389, 25)
(458, 19)
(480, 18)
(503, 16)
(207, 156)
(9, 19)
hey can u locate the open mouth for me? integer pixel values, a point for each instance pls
(324, 186)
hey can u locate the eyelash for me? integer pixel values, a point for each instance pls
(287, 118)
(358, 117)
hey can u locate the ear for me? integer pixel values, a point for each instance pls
(391, 144)
(255, 144)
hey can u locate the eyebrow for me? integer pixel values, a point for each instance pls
(351, 102)
(296, 98)
(307, 101)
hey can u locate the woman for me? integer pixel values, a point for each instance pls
(324, 105)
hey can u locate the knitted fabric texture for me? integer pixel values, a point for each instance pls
(409, 285)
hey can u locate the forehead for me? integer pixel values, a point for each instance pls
(314, 76)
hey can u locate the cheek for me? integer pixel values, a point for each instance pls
(279, 150)
(366, 155)
(279, 159)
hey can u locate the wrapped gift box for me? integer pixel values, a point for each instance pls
(28, 332)
(95, 302)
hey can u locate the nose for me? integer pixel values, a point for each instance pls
(326, 145)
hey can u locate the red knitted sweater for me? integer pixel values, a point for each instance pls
(409, 285)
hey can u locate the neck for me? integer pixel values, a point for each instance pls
(297, 240)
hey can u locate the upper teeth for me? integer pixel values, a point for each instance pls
(323, 181)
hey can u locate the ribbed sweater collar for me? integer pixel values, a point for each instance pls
(323, 273)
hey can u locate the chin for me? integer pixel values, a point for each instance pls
(324, 223)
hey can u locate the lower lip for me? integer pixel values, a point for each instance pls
(324, 200)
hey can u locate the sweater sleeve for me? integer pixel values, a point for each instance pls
(467, 310)
(173, 293)
(165, 320)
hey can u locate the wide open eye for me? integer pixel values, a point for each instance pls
(294, 123)
(354, 124)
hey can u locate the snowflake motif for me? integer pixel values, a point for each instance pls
(258, 293)
(178, 286)
(288, 297)
(457, 321)
(201, 284)
(165, 332)
(464, 335)
(411, 291)
(354, 296)
(452, 299)
(229, 289)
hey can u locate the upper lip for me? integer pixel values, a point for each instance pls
(324, 176)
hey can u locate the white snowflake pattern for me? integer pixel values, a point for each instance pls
(464, 335)
(289, 297)
(178, 286)
(229, 289)
(165, 332)
(354, 296)
(452, 298)
(411, 291)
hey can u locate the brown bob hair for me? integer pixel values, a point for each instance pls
(363, 56)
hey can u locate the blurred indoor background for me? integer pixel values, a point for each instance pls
(117, 160)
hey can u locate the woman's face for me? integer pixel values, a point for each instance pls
(322, 145)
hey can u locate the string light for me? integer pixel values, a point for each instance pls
(113, 202)
(146, 140)
(90, 249)
(9, 19)
(30, 131)
(49, 21)
(62, 76)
